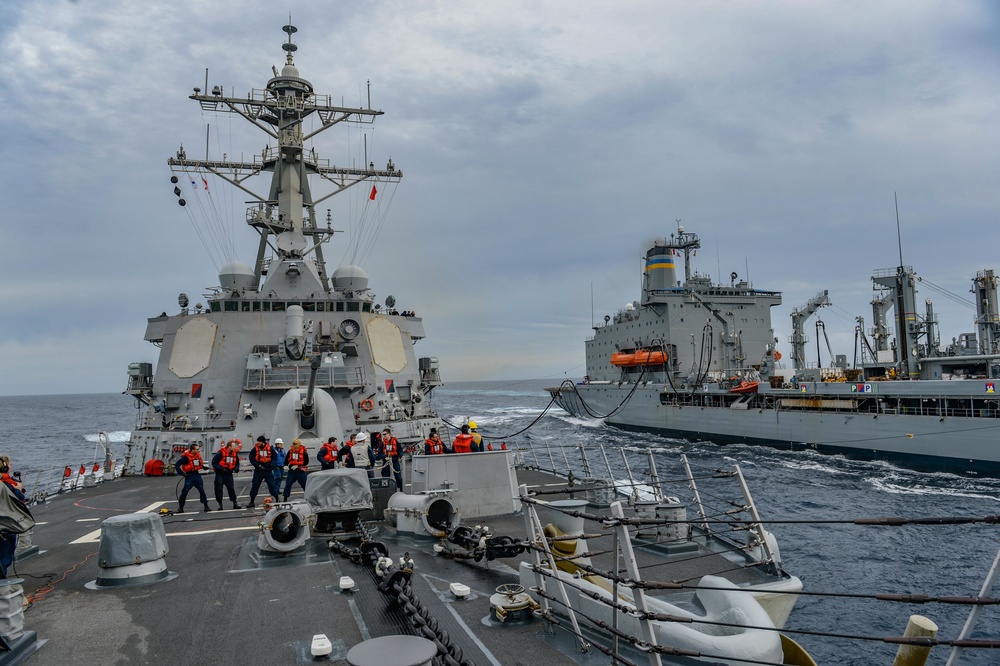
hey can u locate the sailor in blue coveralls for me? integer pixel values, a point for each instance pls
(262, 459)
(190, 465)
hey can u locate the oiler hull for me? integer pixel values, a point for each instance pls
(924, 428)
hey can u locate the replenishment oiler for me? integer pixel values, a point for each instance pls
(699, 360)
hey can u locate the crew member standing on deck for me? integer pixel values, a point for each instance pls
(297, 460)
(328, 454)
(477, 439)
(345, 454)
(463, 441)
(433, 444)
(15, 485)
(8, 541)
(262, 459)
(279, 461)
(393, 456)
(362, 453)
(190, 465)
(226, 462)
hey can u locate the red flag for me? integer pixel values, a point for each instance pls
(374, 192)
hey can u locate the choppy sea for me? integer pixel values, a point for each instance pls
(44, 434)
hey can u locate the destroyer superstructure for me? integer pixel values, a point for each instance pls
(699, 360)
(281, 348)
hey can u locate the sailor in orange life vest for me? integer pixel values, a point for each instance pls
(392, 452)
(262, 459)
(328, 454)
(16, 487)
(296, 459)
(8, 541)
(433, 444)
(190, 465)
(226, 462)
(463, 442)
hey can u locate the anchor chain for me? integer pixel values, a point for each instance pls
(395, 583)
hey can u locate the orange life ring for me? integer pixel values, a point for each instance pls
(367, 404)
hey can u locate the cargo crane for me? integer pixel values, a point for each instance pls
(799, 317)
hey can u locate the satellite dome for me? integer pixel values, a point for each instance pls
(350, 278)
(236, 275)
(290, 70)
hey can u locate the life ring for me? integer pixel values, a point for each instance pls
(367, 404)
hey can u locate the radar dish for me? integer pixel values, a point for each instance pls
(349, 329)
(390, 301)
(291, 242)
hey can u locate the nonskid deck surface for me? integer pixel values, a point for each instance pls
(230, 605)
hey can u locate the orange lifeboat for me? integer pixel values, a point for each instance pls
(744, 387)
(638, 357)
(623, 359)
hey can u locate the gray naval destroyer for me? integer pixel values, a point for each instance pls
(281, 348)
(698, 360)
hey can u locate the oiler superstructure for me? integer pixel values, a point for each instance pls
(281, 348)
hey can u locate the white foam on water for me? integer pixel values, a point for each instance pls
(115, 436)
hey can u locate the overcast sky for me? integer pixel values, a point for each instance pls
(544, 146)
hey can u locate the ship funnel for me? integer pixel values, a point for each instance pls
(659, 272)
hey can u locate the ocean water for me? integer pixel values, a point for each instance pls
(809, 497)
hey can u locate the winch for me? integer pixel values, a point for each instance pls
(511, 604)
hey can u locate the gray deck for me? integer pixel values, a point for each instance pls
(228, 606)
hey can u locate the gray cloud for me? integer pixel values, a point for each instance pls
(544, 145)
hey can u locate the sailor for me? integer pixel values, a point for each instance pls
(477, 439)
(463, 441)
(262, 459)
(13, 483)
(328, 454)
(393, 457)
(297, 459)
(362, 453)
(190, 465)
(279, 461)
(8, 541)
(226, 462)
(345, 454)
(433, 444)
